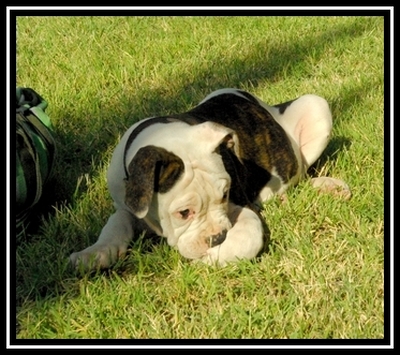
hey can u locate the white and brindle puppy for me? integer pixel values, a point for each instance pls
(194, 177)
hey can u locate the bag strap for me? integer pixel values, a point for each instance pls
(42, 130)
(30, 154)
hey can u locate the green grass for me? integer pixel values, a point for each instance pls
(322, 276)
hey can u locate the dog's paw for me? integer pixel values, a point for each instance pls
(331, 185)
(97, 256)
(213, 257)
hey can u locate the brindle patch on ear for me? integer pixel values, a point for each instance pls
(153, 169)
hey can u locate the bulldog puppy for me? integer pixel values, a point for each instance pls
(195, 177)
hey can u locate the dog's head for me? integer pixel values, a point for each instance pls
(182, 192)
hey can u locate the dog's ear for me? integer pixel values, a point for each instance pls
(153, 169)
(231, 142)
(217, 136)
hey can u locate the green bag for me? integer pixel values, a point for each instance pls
(35, 152)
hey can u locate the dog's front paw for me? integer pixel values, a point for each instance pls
(243, 241)
(97, 256)
(213, 257)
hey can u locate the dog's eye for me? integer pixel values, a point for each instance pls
(184, 213)
(225, 196)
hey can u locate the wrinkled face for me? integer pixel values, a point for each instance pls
(181, 189)
(194, 213)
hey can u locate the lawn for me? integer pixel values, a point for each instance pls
(322, 276)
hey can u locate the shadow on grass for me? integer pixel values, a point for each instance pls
(335, 145)
(74, 160)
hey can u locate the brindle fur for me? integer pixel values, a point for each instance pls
(153, 169)
(253, 124)
(255, 127)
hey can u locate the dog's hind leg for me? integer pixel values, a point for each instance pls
(308, 121)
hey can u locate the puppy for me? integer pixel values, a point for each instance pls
(196, 177)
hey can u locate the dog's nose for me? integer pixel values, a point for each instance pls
(217, 239)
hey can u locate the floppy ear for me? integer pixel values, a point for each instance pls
(230, 141)
(217, 136)
(153, 169)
